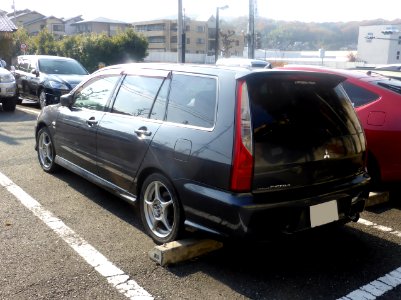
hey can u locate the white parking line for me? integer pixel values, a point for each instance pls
(386, 283)
(28, 110)
(115, 276)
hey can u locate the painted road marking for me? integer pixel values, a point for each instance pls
(29, 110)
(115, 276)
(386, 283)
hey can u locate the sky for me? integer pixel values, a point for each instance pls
(141, 10)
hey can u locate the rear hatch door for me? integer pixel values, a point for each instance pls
(305, 130)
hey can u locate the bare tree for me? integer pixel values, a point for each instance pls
(227, 41)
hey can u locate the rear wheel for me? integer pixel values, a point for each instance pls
(46, 152)
(160, 209)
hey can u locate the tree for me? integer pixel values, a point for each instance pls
(45, 43)
(227, 41)
(89, 49)
(21, 37)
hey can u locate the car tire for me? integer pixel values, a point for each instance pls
(160, 209)
(9, 104)
(42, 99)
(46, 151)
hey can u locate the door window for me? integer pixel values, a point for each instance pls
(136, 95)
(95, 94)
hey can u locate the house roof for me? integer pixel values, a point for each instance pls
(102, 20)
(5, 24)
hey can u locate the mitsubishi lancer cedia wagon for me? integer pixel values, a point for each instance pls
(230, 151)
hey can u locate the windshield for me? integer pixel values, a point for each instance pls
(61, 66)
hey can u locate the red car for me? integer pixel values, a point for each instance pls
(377, 101)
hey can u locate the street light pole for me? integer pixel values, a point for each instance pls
(216, 52)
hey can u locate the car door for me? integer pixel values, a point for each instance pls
(77, 125)
(24, 77)
(124, 134)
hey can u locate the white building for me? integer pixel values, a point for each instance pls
(380, 44)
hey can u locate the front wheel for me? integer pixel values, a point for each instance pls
(42, 99)
(46, 152)
(160, 209)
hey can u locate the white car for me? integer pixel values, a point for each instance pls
(243, 62)
(8, 90)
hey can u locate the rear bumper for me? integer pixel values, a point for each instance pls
(260, 216)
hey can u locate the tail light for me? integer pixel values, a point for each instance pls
(242, 166)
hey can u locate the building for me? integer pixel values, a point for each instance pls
(6, 37)
(68, 25)
(200, 36)
(100, 25)
(162, 35)
(380, 44)
(33, 22)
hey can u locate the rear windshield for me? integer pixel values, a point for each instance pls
(300, 110)
(390, 84)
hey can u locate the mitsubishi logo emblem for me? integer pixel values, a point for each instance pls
(326, 154)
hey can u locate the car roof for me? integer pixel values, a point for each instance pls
(29, 56)
(191, 68)
(365, 75)
(242, 62)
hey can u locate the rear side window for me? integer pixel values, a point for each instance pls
(358, 95)
(136, 95)
(192, 100)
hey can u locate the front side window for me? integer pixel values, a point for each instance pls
(136, 95)
(95, 94)
(192, 100)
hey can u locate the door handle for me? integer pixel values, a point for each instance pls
(91, 121)
(143, 131)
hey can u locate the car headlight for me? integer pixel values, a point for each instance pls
(58, 85)
(6, 78)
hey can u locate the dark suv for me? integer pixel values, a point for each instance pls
(230, 151)
(44, 78)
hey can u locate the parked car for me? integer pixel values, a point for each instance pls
(243, 62)
(44, 78)
(8, 90)
(229, 151)
(377, 101)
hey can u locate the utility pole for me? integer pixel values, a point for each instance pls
(179, 33)
(251, 30)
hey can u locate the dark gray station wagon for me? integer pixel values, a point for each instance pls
(230, 151)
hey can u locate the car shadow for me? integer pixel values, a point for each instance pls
(115, 205)
(325, 263)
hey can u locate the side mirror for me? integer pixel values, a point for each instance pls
(66, 100)
(35, 72)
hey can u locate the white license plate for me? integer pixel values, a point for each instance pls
(323, 213)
